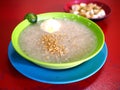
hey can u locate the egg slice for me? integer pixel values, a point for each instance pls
(50, 25)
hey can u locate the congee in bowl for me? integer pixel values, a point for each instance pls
(58, 40)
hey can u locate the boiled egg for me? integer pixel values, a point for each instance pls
(50, 25)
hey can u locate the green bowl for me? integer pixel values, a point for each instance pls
(90, 24)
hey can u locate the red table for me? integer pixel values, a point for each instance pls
(13, 11)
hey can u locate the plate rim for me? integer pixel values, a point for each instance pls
(58, 82)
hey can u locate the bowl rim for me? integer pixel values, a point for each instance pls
(22, 25)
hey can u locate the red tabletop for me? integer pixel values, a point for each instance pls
(13, 11)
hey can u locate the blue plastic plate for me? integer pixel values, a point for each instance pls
(44, 75)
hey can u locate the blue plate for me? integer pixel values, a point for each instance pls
(41, 74)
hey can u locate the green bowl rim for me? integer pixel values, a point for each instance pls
(41, 63)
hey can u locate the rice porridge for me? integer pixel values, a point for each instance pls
(59, 44)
